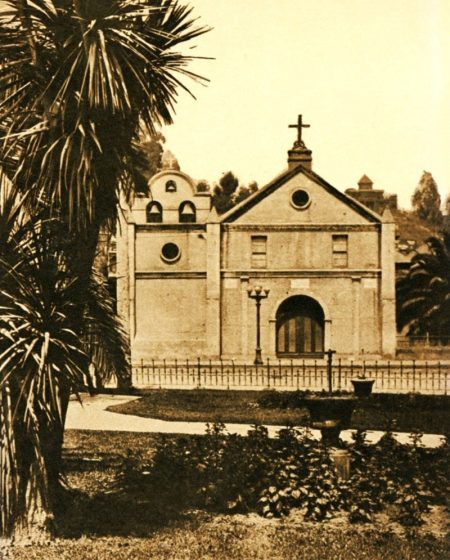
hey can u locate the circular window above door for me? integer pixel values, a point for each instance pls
(300, 199)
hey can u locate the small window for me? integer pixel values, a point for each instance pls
(170, 252)
(112, 257)
(300, 199)
(259, 251)
(340, 251)
(171, 186)
(187, 213)
(154, 212)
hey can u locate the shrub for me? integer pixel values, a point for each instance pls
(233, 473)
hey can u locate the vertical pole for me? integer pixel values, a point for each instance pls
(339, 375)
(258, 357)
(445, 377)
(292, 374)
(199, 374)
(330, 369)
(210, 372)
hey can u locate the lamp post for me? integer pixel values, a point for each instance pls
(258, 293)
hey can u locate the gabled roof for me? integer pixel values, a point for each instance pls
(283, 178)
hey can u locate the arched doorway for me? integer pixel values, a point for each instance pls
(300, 328)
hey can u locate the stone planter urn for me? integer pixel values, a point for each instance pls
(362, 386)
(330, 414)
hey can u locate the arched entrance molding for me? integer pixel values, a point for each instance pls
(301, 293)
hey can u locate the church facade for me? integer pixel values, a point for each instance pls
(325, 261)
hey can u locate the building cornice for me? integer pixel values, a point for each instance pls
(179, 274)
(301, 227)
(303, 273)
(170, 227)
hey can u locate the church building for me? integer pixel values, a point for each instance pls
(188, 279)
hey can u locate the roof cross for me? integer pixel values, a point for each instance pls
(299, 127)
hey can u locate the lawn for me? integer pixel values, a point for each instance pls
(99, 524)
(404, 413)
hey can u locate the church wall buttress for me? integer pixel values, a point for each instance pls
(213, 290)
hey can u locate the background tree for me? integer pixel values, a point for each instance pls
(229, 192)
(148, 160)
(446, 218)
(245, 191)
(426, 201)
(203, 186)
(423, 295)
(79, 82)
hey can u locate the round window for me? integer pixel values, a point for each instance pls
(170, 252)
(300, 199)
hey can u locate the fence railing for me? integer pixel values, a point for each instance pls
(435, 342)
(427, 377)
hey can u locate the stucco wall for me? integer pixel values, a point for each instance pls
(149, 242)
(295, 248)
(170, 318)
(323, 209)
(352, 322)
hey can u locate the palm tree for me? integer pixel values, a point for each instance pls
(79, 82)
(52, 326)
(423, 295)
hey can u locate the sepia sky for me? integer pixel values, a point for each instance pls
(371, 77)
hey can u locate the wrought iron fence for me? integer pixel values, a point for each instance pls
(427, 377)
(434, 342)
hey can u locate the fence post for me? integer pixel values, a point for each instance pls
(330, 370)
(199, 374)
(292, 375)
(232, 373)
(414, 374)
(159, 373)
(339, 374)
(280, 374)
(268, 373)
(164, 370)
(401, 376)
(304, 375)
(315, 375)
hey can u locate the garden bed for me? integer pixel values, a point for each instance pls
(104, 522)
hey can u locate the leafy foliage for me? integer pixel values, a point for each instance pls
(230, 192)
(423, 295)
(426, 200)
(52, 326)
(79, 80)
(257, 473)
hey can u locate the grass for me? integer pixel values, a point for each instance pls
(229, 539)
(98, 524)
(377, 413)
(203, 405)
